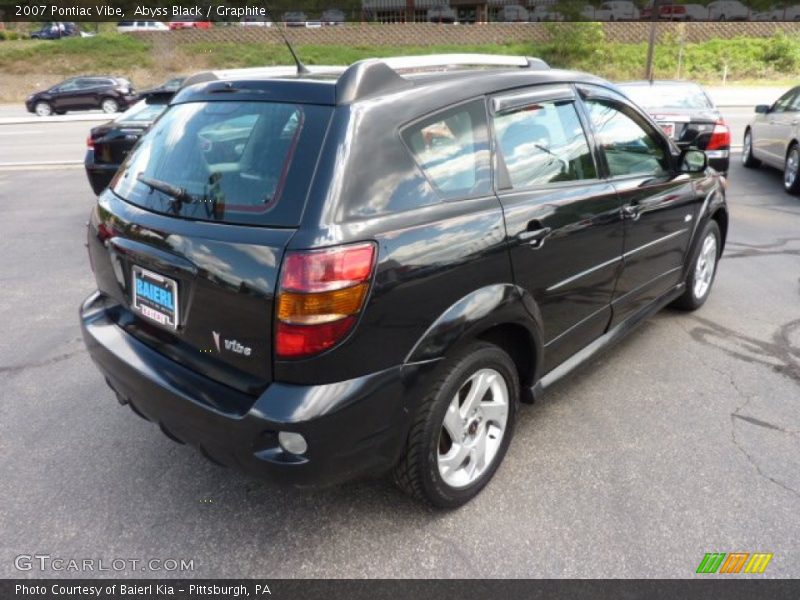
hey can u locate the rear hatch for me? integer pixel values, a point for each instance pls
(188, 240)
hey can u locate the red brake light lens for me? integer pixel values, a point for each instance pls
(325, 270)
(720, 137)
(90, 142)
(320, 296)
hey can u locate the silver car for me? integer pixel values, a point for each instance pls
(773, 138)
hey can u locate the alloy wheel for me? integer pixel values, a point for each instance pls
(704, 268)
(473, 428)
(43, 109)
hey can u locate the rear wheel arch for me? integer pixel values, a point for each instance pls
(519, 344)
(498, 314)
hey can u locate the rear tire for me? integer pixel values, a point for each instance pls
(109, 106)
(791, 170)
(748, 160)
(702, 269)
(475, 397)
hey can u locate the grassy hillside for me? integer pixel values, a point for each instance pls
(26, 65)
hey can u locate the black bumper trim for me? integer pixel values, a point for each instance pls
(353, 428)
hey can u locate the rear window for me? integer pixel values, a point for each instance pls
(141, 112)
(232, 162)
(668, 96)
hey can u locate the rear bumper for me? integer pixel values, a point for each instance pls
(99, 175)
(353, 428)
(719, 160)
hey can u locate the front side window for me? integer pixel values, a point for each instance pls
(226, 161)
(629, 148)
(453, 151)
(786, 102)
(543, 143)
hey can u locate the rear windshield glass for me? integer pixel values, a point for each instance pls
(141, 112)
(668, 96)
(232, 162)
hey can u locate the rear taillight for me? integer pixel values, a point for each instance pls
(320, 295)
(720, 137)
(90, 142)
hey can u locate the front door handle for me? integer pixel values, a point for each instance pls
(535, 234)
(631, 211)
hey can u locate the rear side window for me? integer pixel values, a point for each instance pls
(234, 162)
(543, 143)
(452, 150)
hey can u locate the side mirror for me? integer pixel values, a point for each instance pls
(693, 161)
(762, 109)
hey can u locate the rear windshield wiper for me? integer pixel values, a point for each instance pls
(178, 193)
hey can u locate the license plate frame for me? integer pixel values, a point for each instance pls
(155, 311)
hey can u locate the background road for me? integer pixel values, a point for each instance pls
(684, 439)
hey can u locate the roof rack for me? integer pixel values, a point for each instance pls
(460, 60)
(259, 72)
(375, 75)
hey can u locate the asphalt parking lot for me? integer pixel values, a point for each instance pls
(684, 439)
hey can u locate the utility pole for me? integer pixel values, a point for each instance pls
(648, 74)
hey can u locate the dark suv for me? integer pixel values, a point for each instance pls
(111, 94)
(354, 271)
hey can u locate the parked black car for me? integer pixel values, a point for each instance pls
(108, 144)
(318, 277)
(55, 31)
(111, 94)
(687, 115)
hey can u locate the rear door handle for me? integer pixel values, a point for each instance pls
(535, 234)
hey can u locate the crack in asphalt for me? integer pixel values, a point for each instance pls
(760, 423)
(13, 369)
(772, 249)
(779, 355)
(781, 349)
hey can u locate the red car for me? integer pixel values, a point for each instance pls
(188, 22)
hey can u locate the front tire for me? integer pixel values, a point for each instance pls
(748, 160)
(43, 109)
(791, 170)
(462, 428)
(702, 269)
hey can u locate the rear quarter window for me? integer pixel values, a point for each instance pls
(451, 148)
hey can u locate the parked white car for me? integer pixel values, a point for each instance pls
(255, 21)
(789, 13)
(618, 10)
(513, 13)
(441, 14)
(692, 12)
(773, 138)
(545, 13)
(727, 10)
(130, 26)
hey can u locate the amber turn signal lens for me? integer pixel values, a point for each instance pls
(320, 307)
